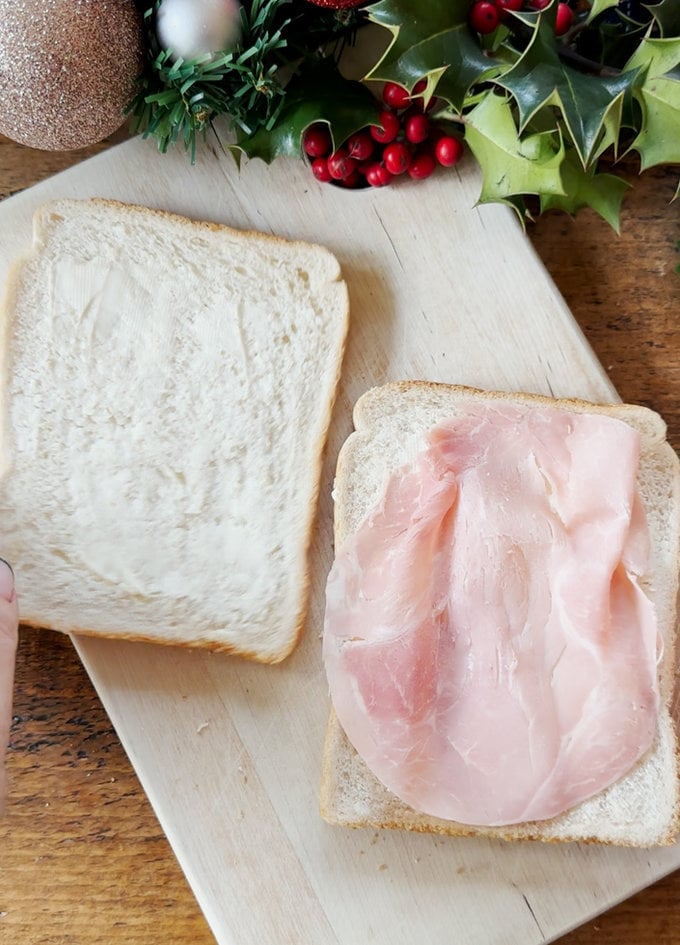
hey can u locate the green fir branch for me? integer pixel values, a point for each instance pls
(556, 109)
(178, 100)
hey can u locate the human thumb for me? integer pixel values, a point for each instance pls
(6, 581)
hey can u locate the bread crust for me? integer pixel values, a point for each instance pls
(344, 772)
(59, 209)
(180, 220)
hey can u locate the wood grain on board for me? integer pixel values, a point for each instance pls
(83, 857)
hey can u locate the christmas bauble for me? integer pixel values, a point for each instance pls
(67, 69)
(192, 28)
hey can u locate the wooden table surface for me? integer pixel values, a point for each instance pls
(83, 860)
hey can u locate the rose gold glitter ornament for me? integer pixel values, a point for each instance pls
(67, 69)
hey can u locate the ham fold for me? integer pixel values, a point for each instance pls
(489, 650)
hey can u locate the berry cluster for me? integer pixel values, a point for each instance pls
(405, 141)
(486, 15)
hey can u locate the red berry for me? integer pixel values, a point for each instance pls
(565, 17)
(421, 166)
(396, 96)
(416, 128)
(387, 129)
(540, 4)
(436, 134)
(378, 176)
(353, 180)
(484, 17)
(448, 151)
(419, 87)
(320, 170)
(316, 141)
(360, 146)
(396, 157)
(340, 164)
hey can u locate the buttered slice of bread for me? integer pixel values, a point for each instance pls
(640, 809)
(167, 387)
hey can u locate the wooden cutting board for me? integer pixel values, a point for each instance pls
(229, 752)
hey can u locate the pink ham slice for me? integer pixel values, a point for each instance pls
(489, 652)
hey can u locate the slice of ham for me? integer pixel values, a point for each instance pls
(489, 651)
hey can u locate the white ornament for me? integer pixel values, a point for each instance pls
(192, 28)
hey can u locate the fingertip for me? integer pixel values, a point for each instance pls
(7, 589)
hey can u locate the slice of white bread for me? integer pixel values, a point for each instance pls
(168, 386)
(642, 808)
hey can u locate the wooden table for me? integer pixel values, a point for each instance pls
(83, 860)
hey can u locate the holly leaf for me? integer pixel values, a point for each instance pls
(586, 188)
(667, 15)
(319, 93)
(656, 56)
(511, 165)
(540, 78)
(432, 40)
(658, 141)
(618, 43)
(614, 120)
(518, 204)
(599, 7)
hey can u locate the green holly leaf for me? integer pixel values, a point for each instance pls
(586, 188)
(540, 78)
(619, 44)
(667, 15)
(319, 93)
(599, 7)
(614, 120)
(656, 56)
(518, 204)
(511, 166)
(432, 40)
(659, 139)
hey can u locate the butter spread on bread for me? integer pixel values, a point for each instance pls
(168, 388)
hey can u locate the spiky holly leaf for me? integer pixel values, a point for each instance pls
(540, 78)
(432, 40)
(667, 15)
(511, 165)
(599, 7)
(656, 56)
(586, 188)
(319, 93)
(620, 40)
(614, 120)
(659, 139)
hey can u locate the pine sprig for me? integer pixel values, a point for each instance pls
(257, 99)
(547, 117)
(187, 100)
(179, 99)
